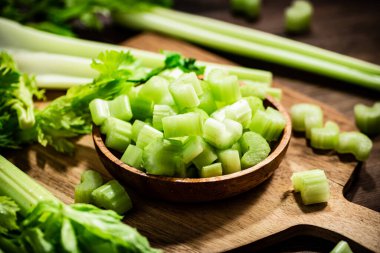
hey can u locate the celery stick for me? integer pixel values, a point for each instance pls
(188, 124)
(89, 181)
(99, 111)
(298, 16)
(230, 160)
(355, 143)
(341, 247)
(133, 156)
(368, 118)
(112, 196)
(326, 137)
(52, 81)
(212, 170)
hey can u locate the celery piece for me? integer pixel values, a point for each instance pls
(220, 114)
(202, 114)
(142, 108)
(253, 89)
(325, 137)
(341, 247)
(207, 103)
(355, 143)
(118, 135)
(111, 123)
(224, 87)
(161, 160)
(207, 157)
(120, 108)
(240, 111)
(89, 181)
(249, 8)
(300, 112)
(276, 93)
(147, 135)
(159, 112)
(190, 78)
(254, 148)
(177, 143)
(269, 123)
(192, 149)
(236, 146)
(313, 186)
(187, 124)
(222, 135)
(184, 95)
(133, 156)
(156, 89)
(298, 16)
(230, 160)
(99, 111)
(368, 118)
(255, 104)
(136, 128)
(312, 122)
(212, 170)
(112, 196)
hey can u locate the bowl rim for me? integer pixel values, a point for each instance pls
(284, 141)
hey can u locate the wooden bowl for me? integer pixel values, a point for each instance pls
(195, 189)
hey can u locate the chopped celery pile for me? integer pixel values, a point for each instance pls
(312, 185)
(182, 126)
(309, 119)
(341, 247)
(368, 118)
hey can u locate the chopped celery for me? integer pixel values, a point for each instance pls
(254, 148)
(212, 170)
(157, 90)
(118, 135)
(312, 122)
(254, 89)
(313, 186)
(249, 8)
(298, 16)
(237, 147)
(112, 196)
(355, 143)
(207, 157)
(133, 156)
(184, 95)
(142, 108)
(230, 160)
(192, 149)
(99, 111)
(111, 123)
(120, 108)
(341, 247)
(368, 118)
(240, 111)
(136, 128)
(269, 123)
(300, 114)
(160, 112)
(89, 181)
(187, 124)
(192, 79)
(224, 87)
(222, 135)
(207, 102)
(147, 135)
(325, 137)
(255, 103)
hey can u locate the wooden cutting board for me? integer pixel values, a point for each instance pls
(265, 215)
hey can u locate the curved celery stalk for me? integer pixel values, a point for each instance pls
(89, 181)
(268, 39)
(355, 143)
(325, 137)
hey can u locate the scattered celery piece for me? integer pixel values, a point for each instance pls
(298, 16)
(341, 247)
(212, 170)
(187, 124)
(99, 111)
(325, 137)
(312, 185)
(230, 160)
(89, 181)
(254, 148)
(249, 8)
(133, 156)
(368, 118)
(147, 135)
(300, 114)
(112, 196)
(269, 124)
(222, 135)
(355, 143)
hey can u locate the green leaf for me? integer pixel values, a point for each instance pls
(8, 214)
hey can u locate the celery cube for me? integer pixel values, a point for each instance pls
(159, 112)
(254, 148)
(269, 123)
(147, 135)
(192, 149)
(230, 161)
(156, 89)
(212, 170)
(207, 157)
(192, 79)
(240, 111)
(224, 87)
(184, 95)
(222, 134)
(120, 108)
(99, 111)
(207, 103)
(133, 156)
(188, 124)
(136, 128)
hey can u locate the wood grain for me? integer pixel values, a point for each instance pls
(265, 215)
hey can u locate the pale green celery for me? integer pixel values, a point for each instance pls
(112, 196)
(224, 87)
(237, 147)
(154, 22)
(142, 108)
(89, 181)
(184, 95)
(156, 89)
(298, 16)
(355, 143)
(240, 111)
(120, 108)
(187, 124)
(276, 93)
(254, 148)
(147, 135)
(222, 135)
(267, 39)
(118, 135)
(99, 111)
(341, 247)
(159, 112)
(254, 90)
(325, 137)
(269, 123)
(207, 157)
(312, 122)
(133, 156)
(136, 128)
(111, 122)
(207, 102)
(220, 114)
(300, 112)
(255, 103)
(212, 170)
(21, 188)
(249, 8)
(313, 186)
(368, 118)
(190, 78)
(230, 160)
(204, 116)
(48, 81)
(15, 35)
(192, 149)
(25, 116)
